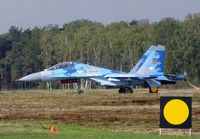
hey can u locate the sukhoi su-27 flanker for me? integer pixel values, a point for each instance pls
(148, 72)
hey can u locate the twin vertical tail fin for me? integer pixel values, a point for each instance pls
(151, 63)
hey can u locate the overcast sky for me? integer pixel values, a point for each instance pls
(31, 13)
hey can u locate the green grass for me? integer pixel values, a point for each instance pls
(41, 130)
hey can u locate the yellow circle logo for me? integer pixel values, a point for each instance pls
(176, 112)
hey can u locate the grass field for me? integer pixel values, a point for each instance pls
(41, 130)
(95, 114)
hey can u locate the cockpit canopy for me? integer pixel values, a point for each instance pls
(61, 65)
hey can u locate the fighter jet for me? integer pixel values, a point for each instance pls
(148, 72)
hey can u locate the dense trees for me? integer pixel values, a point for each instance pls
(117, 46)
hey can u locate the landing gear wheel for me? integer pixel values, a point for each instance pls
(80, 92)
(129, 90)
(153, 90)
(125, 90)
(121, 90)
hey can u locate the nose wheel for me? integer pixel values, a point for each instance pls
(125, 90)
(80, 91)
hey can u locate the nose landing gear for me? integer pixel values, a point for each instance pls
(79, 90)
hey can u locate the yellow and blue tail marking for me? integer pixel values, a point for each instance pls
(152, 62)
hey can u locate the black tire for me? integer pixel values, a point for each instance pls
(129, 90)
(125, 90)
(80, 92)
(121, 90)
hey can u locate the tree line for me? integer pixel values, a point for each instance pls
(117, 46)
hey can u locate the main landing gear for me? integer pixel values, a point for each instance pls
(153, 90)
(130, 90)
(125, 90)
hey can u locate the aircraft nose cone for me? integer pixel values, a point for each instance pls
(35, 77)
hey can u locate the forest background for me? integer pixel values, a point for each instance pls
(116, 46)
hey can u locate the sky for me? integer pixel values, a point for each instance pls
(30, 13)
